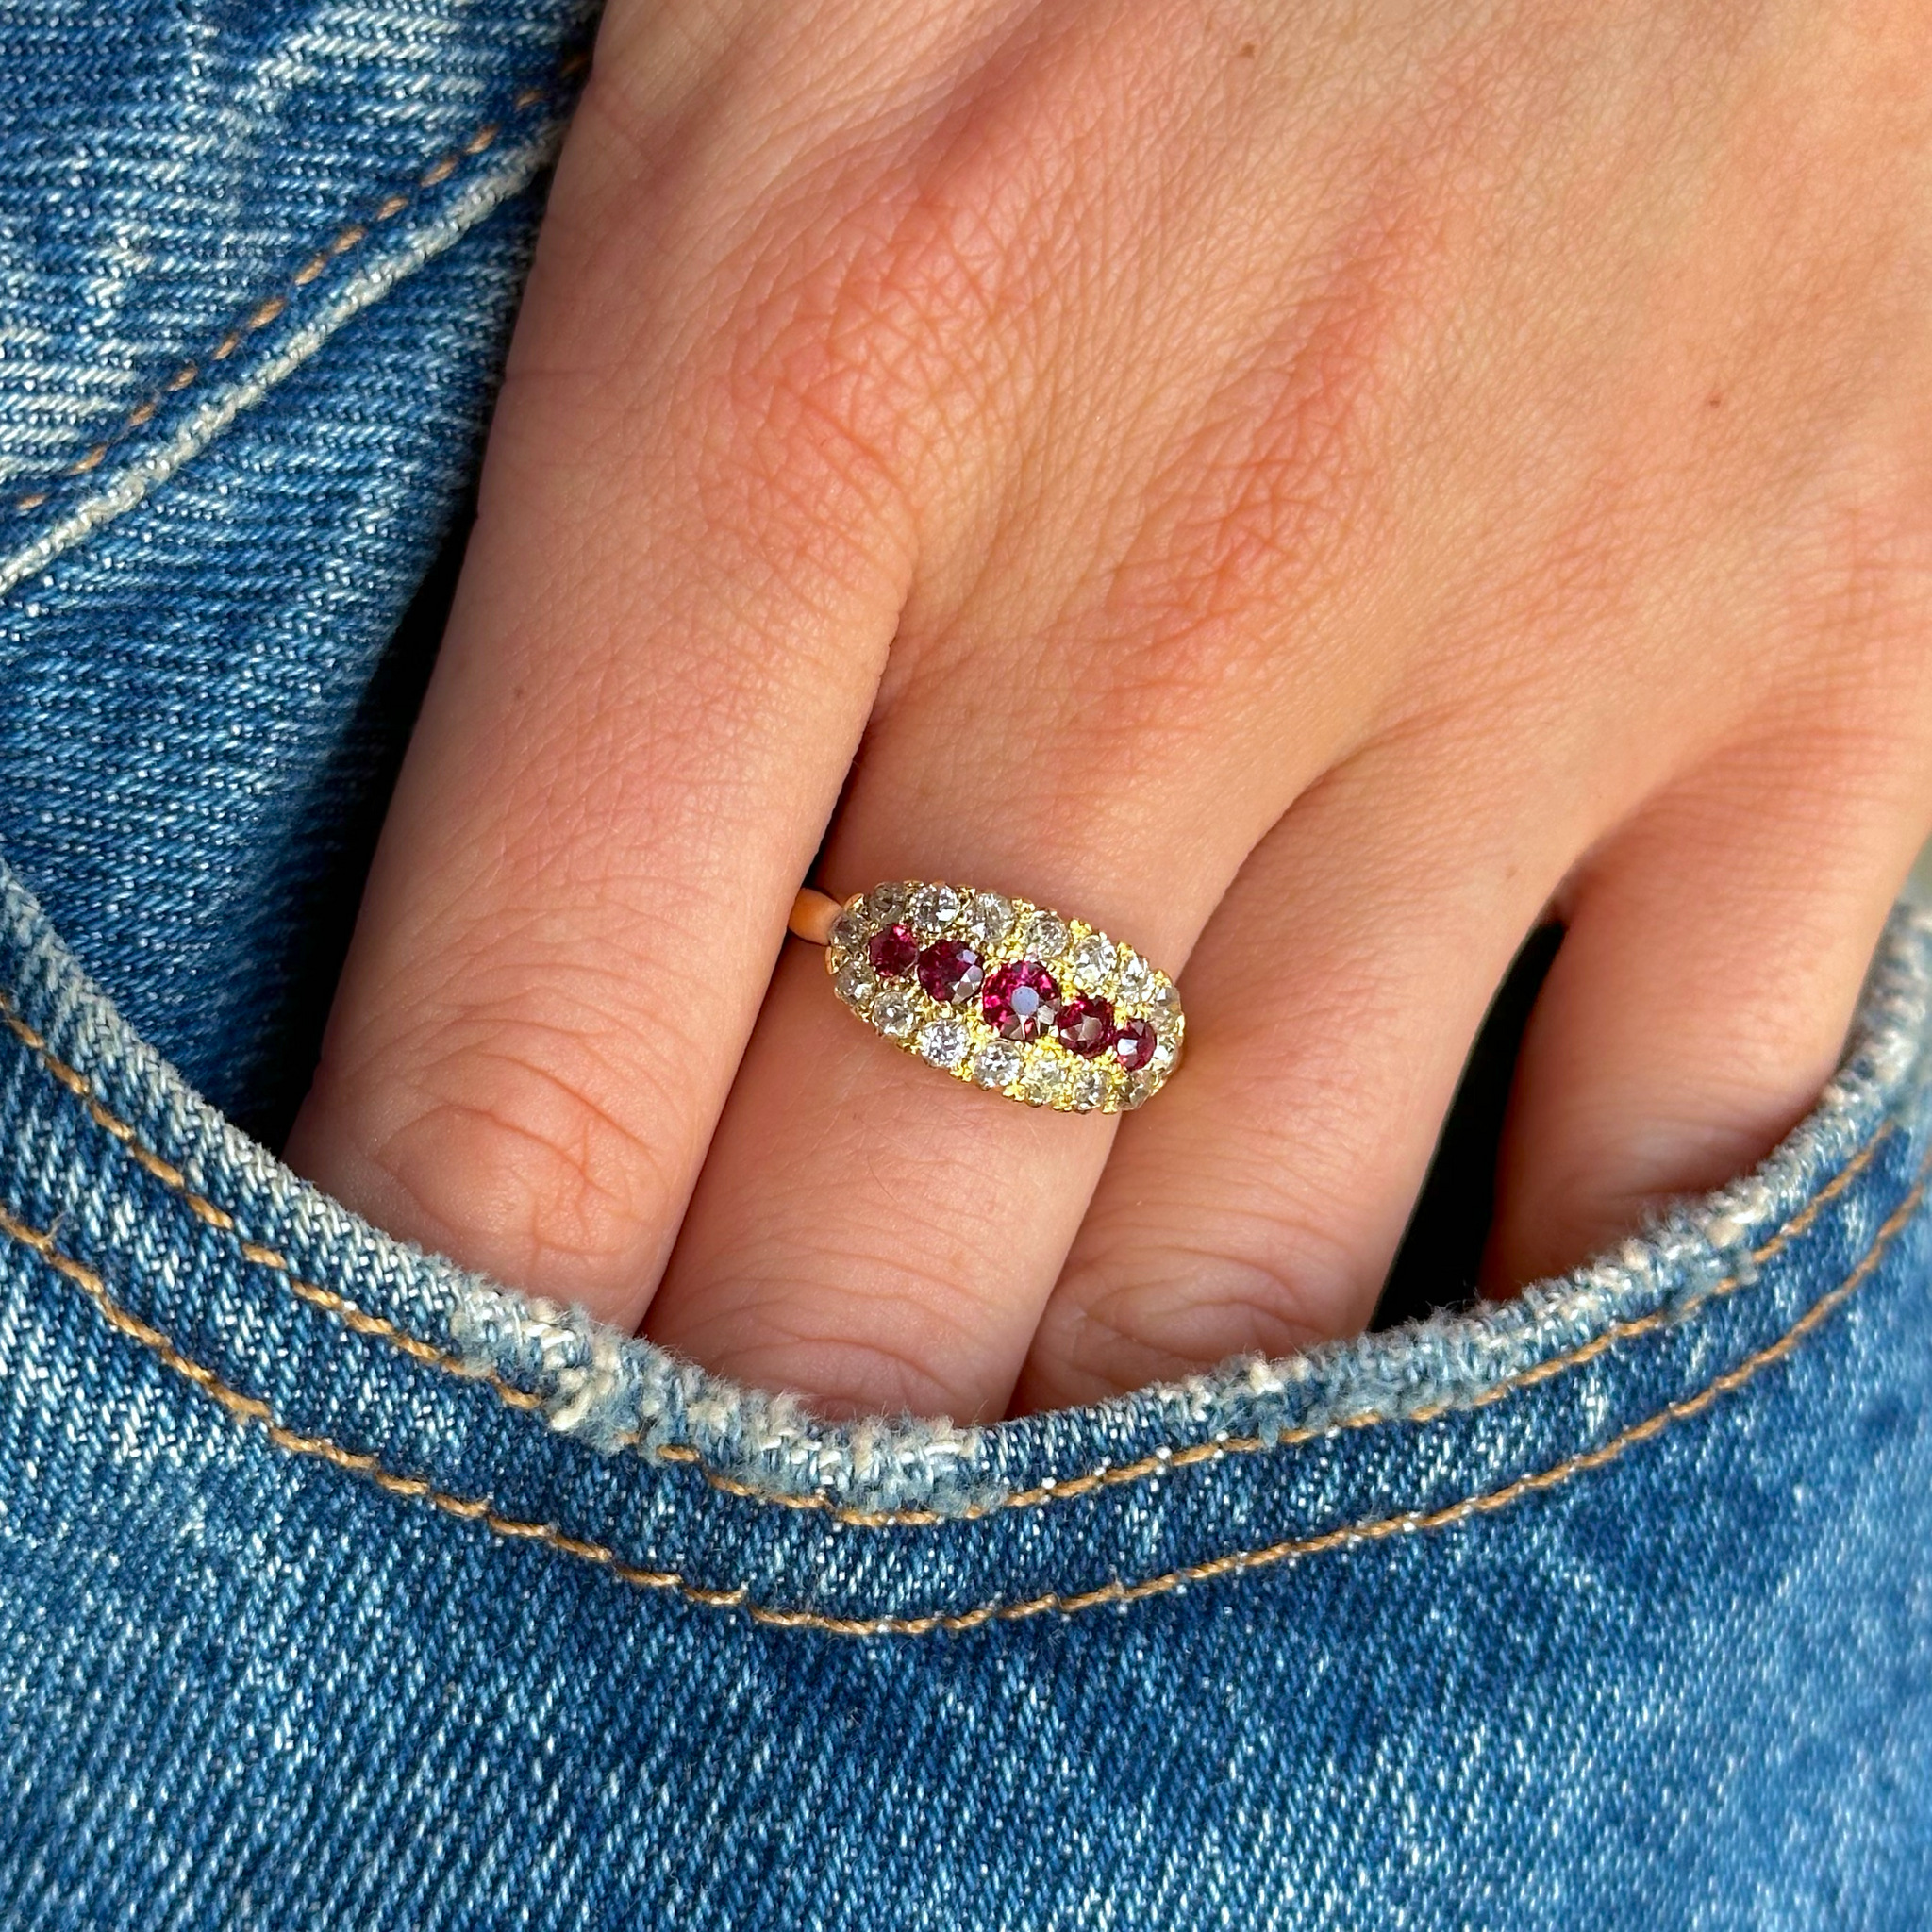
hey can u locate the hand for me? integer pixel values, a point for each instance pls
(1302, 488)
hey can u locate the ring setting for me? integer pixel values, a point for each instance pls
(1001, 993)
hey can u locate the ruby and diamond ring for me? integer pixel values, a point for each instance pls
(1001, 993)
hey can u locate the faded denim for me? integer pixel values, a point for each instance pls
(339, 1588)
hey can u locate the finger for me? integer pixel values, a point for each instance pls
(1257, 1204)
(665, 642)
(1102, 709)
(1714, 953)
(867, 1230)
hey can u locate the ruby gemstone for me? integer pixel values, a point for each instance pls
(1021, 1000)
(892, 951)
(951, 972)
(1086, 1025)
(1132, 1044)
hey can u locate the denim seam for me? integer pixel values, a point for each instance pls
(381, 273)
(345, 242)
(357, 1319)
(244, 1409)
(1159, 1462)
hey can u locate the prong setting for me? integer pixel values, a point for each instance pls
(1006, 995)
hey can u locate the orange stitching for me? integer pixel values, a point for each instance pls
(170, 1176)
(263, 313)
(1051, 1489)
(1162, 1459)
(250, 1408)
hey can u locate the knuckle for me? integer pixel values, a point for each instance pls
(852, 1376)
(865, 1325)
(1198, 1302)
(886, 313)
(1849, 700)
(1271, 495)
(523, 1142)
(849, 335)
(1862, 588)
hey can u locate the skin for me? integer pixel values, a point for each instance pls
(1308, 488)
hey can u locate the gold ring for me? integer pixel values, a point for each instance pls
(1003, 993)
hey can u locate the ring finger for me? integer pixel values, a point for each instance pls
(864, 1229)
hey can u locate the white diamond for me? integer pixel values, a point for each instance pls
(886, 903)
(1136, 976)
(1165, 999)
(1043, 1081)
(998, 1065)
(855, 984)
(1166, 1051)
(1092, 960)
(987, 920)
(935, 908)
(1044, 936)
(943, 1042)
(892, 1014)
(1087, 1088)
(1134, 1091)
(847, 929)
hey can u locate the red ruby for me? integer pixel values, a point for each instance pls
(1021, 1000)
(1133, 1042)
(892, 951)
(1086, 1025)
(951, 971)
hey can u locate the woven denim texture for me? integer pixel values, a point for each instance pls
(341, 1588)
(257, 266)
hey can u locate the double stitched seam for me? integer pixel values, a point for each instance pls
(1144, 1468)
(346, 240)
(248, 1408)
(1159, 1461)
(357, 1319)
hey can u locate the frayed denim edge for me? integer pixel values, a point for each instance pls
(611, 1391)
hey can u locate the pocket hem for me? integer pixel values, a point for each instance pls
(245, 1411)
(611, 1392)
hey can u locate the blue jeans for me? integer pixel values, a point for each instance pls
(341, 1588)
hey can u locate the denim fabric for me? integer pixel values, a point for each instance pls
(339, 1588)
(256, 269)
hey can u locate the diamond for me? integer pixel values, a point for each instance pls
(988, 919)
(1091, 960)
(1021, 1000)
(1086, 1025)
(942, 1042)
(951, 972)
(892, 1014)
(1087, 1088)
(935, 906)
(1082, 1025)
(855, 984)
(998, 1064)
(1043, 1081)
(1046, 934)
(1132, 1044)
(894, 951)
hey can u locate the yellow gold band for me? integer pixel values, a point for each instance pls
(1000, 992)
